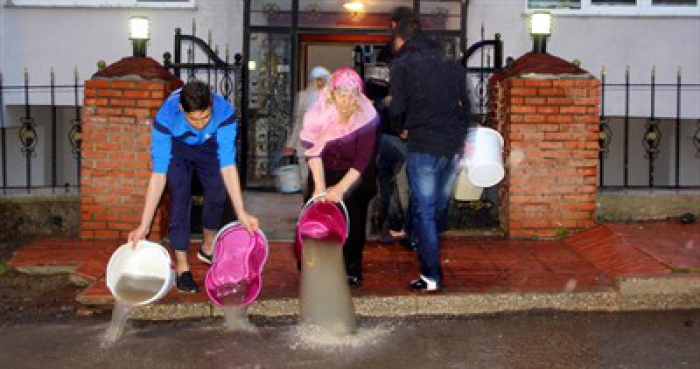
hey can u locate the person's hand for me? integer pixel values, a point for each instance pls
(136, 235)
(334, 194)
(318, 192)
(248, 221)
(404, 135)
(469, 148)
(289, 151)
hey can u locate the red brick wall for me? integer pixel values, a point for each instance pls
(550, 127)
(116, 164)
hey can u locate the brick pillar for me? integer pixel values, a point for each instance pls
(120, 103)
(547, 110)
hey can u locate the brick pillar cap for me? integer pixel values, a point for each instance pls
(542, 65)
(137, 69)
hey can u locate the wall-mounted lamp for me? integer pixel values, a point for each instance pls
(355, 8)
(139, 33)
(540, 29)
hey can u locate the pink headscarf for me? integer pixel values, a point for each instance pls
(321, 121)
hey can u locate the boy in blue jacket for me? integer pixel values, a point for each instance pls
(193, 132)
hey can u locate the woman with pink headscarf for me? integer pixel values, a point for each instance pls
(340, 133)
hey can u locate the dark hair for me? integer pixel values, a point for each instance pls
(407, 29)
(401, 13)
(195, 96)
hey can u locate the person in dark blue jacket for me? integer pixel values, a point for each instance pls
(193, 132)
(431, 93)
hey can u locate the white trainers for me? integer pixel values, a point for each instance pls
(424, 284)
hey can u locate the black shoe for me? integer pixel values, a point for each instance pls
(203, 257)
(424, 284)
(354, 281)
(186, 284)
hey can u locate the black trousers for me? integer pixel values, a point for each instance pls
(356, 201)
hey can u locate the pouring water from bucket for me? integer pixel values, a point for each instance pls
(136, 276)
(325, 300)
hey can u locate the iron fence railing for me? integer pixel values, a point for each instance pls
(649, 134)
(40, 139)
(203, 62)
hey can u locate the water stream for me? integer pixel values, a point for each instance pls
(130, 291)
(325, 300)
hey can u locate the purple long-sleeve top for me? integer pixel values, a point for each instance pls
(354, 150)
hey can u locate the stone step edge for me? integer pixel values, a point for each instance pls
(431, 305)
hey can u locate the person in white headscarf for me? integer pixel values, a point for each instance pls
(317, 81)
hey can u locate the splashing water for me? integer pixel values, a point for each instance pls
(120, 314)
(570, 285)
(690, 244)
(236, 319)
(319, 338)
(516, 157)
(130, 291)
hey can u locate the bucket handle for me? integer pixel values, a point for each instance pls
(342, 207)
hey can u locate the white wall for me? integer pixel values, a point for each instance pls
(64, 38)
(641, 42)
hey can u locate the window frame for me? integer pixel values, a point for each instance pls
(643, 8)
(183, 4)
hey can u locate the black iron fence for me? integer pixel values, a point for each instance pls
(40, 128)
(204, 62)
(650, 134)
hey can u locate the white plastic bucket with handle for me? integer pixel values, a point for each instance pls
(485, 162)
(142, 275)
(288, 178)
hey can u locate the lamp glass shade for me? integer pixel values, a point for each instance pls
(541, 23)
(139, 28)
(354, 6)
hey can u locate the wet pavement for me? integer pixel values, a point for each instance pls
(544, 339)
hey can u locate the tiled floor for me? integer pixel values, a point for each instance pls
(588, 261)
(585, 262)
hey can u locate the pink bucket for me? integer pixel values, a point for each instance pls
(235, 277)
(321, 220)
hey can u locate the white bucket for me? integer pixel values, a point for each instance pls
(148, 269)
(288, 178)
(485, 163)
(464, 190)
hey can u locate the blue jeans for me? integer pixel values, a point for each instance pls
(392, 155)
(187, 160)
(430, 179)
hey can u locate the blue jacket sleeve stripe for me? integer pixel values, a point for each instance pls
(228, 121)
(226, 141)
(161, 128)
(161, 150)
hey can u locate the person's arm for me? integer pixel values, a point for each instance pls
(316, 167)
(156, 185)
(233, 187)
(292, 144)
(398, 105)
(161, 147)
(335, 193)
(364, 152)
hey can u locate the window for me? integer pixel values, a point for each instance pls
(617, 7)
(614, 2)
(554, 4)
(674, 2)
